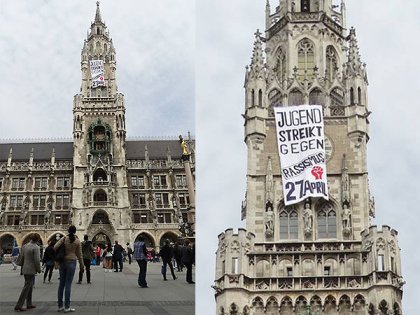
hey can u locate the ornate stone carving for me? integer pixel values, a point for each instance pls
(235, 246)
(263, 285)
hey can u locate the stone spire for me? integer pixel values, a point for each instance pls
(257, 61)
(98, 18)
(267, 15)
(354, 65)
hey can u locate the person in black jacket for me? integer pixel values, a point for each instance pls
(48, 260)
(188, 260)
(178, 256)
(118, 256)
(166, 254)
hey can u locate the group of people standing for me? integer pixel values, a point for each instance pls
(67, 251)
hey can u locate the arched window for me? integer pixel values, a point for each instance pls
(276, 100)
(280, 68)
(305, 5)
(288, 225)
(296, 97)
(316, 97)
(351, 96)
(252, 98)
(327, 223)
(332, 63)
(337, 97)
(100, 217)
(306, 59)
(359, 96)
(260, 103)
(100, 175)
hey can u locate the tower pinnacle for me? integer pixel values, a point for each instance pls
(98, 18)
(354, 65)
(257, 61)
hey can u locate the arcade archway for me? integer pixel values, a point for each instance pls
(148, 240)
(6, 243)
(171, 236)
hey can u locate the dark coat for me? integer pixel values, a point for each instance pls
(166, 253)
(118, 251)
(49, 254)
(187, 255)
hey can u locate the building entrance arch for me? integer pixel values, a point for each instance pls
(7, 241)
(100, 239)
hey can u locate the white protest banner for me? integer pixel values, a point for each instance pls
(97, 73)
(301, 144)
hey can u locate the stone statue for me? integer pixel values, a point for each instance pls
(47, 217)
(26, 203)
(307, 217)
(1, 216)
(80, 218)
(269, 226)
(346, 216)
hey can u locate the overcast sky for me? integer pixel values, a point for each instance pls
(387, 32)
(40, 46)
(160, 44)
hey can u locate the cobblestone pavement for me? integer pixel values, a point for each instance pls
(109, 293)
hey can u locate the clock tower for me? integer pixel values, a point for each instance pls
(318, 256)
(100, 176)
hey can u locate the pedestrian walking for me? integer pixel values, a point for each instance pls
(48, 260)
(166, 255)
(88, 254)
(140, 255)
(118, 256)
(73, 252)
(15, 255)
(188, 260)
(31, 265)
(178, 256)
(98, 255)
(107, 262)
(129, 253)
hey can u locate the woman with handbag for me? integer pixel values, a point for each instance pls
(68, 251)
(108, 258)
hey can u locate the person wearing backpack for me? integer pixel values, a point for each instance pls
(88, 254)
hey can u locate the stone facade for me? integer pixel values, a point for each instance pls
(327, 258)
(109, 187)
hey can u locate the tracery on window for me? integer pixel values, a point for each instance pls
(332, 63)
(280, 67)
(327, 222)
(306, 60)
(288, 224)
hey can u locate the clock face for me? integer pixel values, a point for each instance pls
(328, 148)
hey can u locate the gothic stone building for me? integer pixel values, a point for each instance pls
(109, 187)
(340, 264)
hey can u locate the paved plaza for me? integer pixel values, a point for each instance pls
(109, 293)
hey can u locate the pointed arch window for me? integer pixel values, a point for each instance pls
(316, 97)
(359, 96)
(252, 98)
(296, 97)
(275, 99)
(327, 223)
(280, 68)
(306, 59)
(351, 96)
(260, 102)
(332, 63)
(288, 225)
(305, 5)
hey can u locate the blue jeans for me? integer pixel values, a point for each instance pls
(67, 269)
